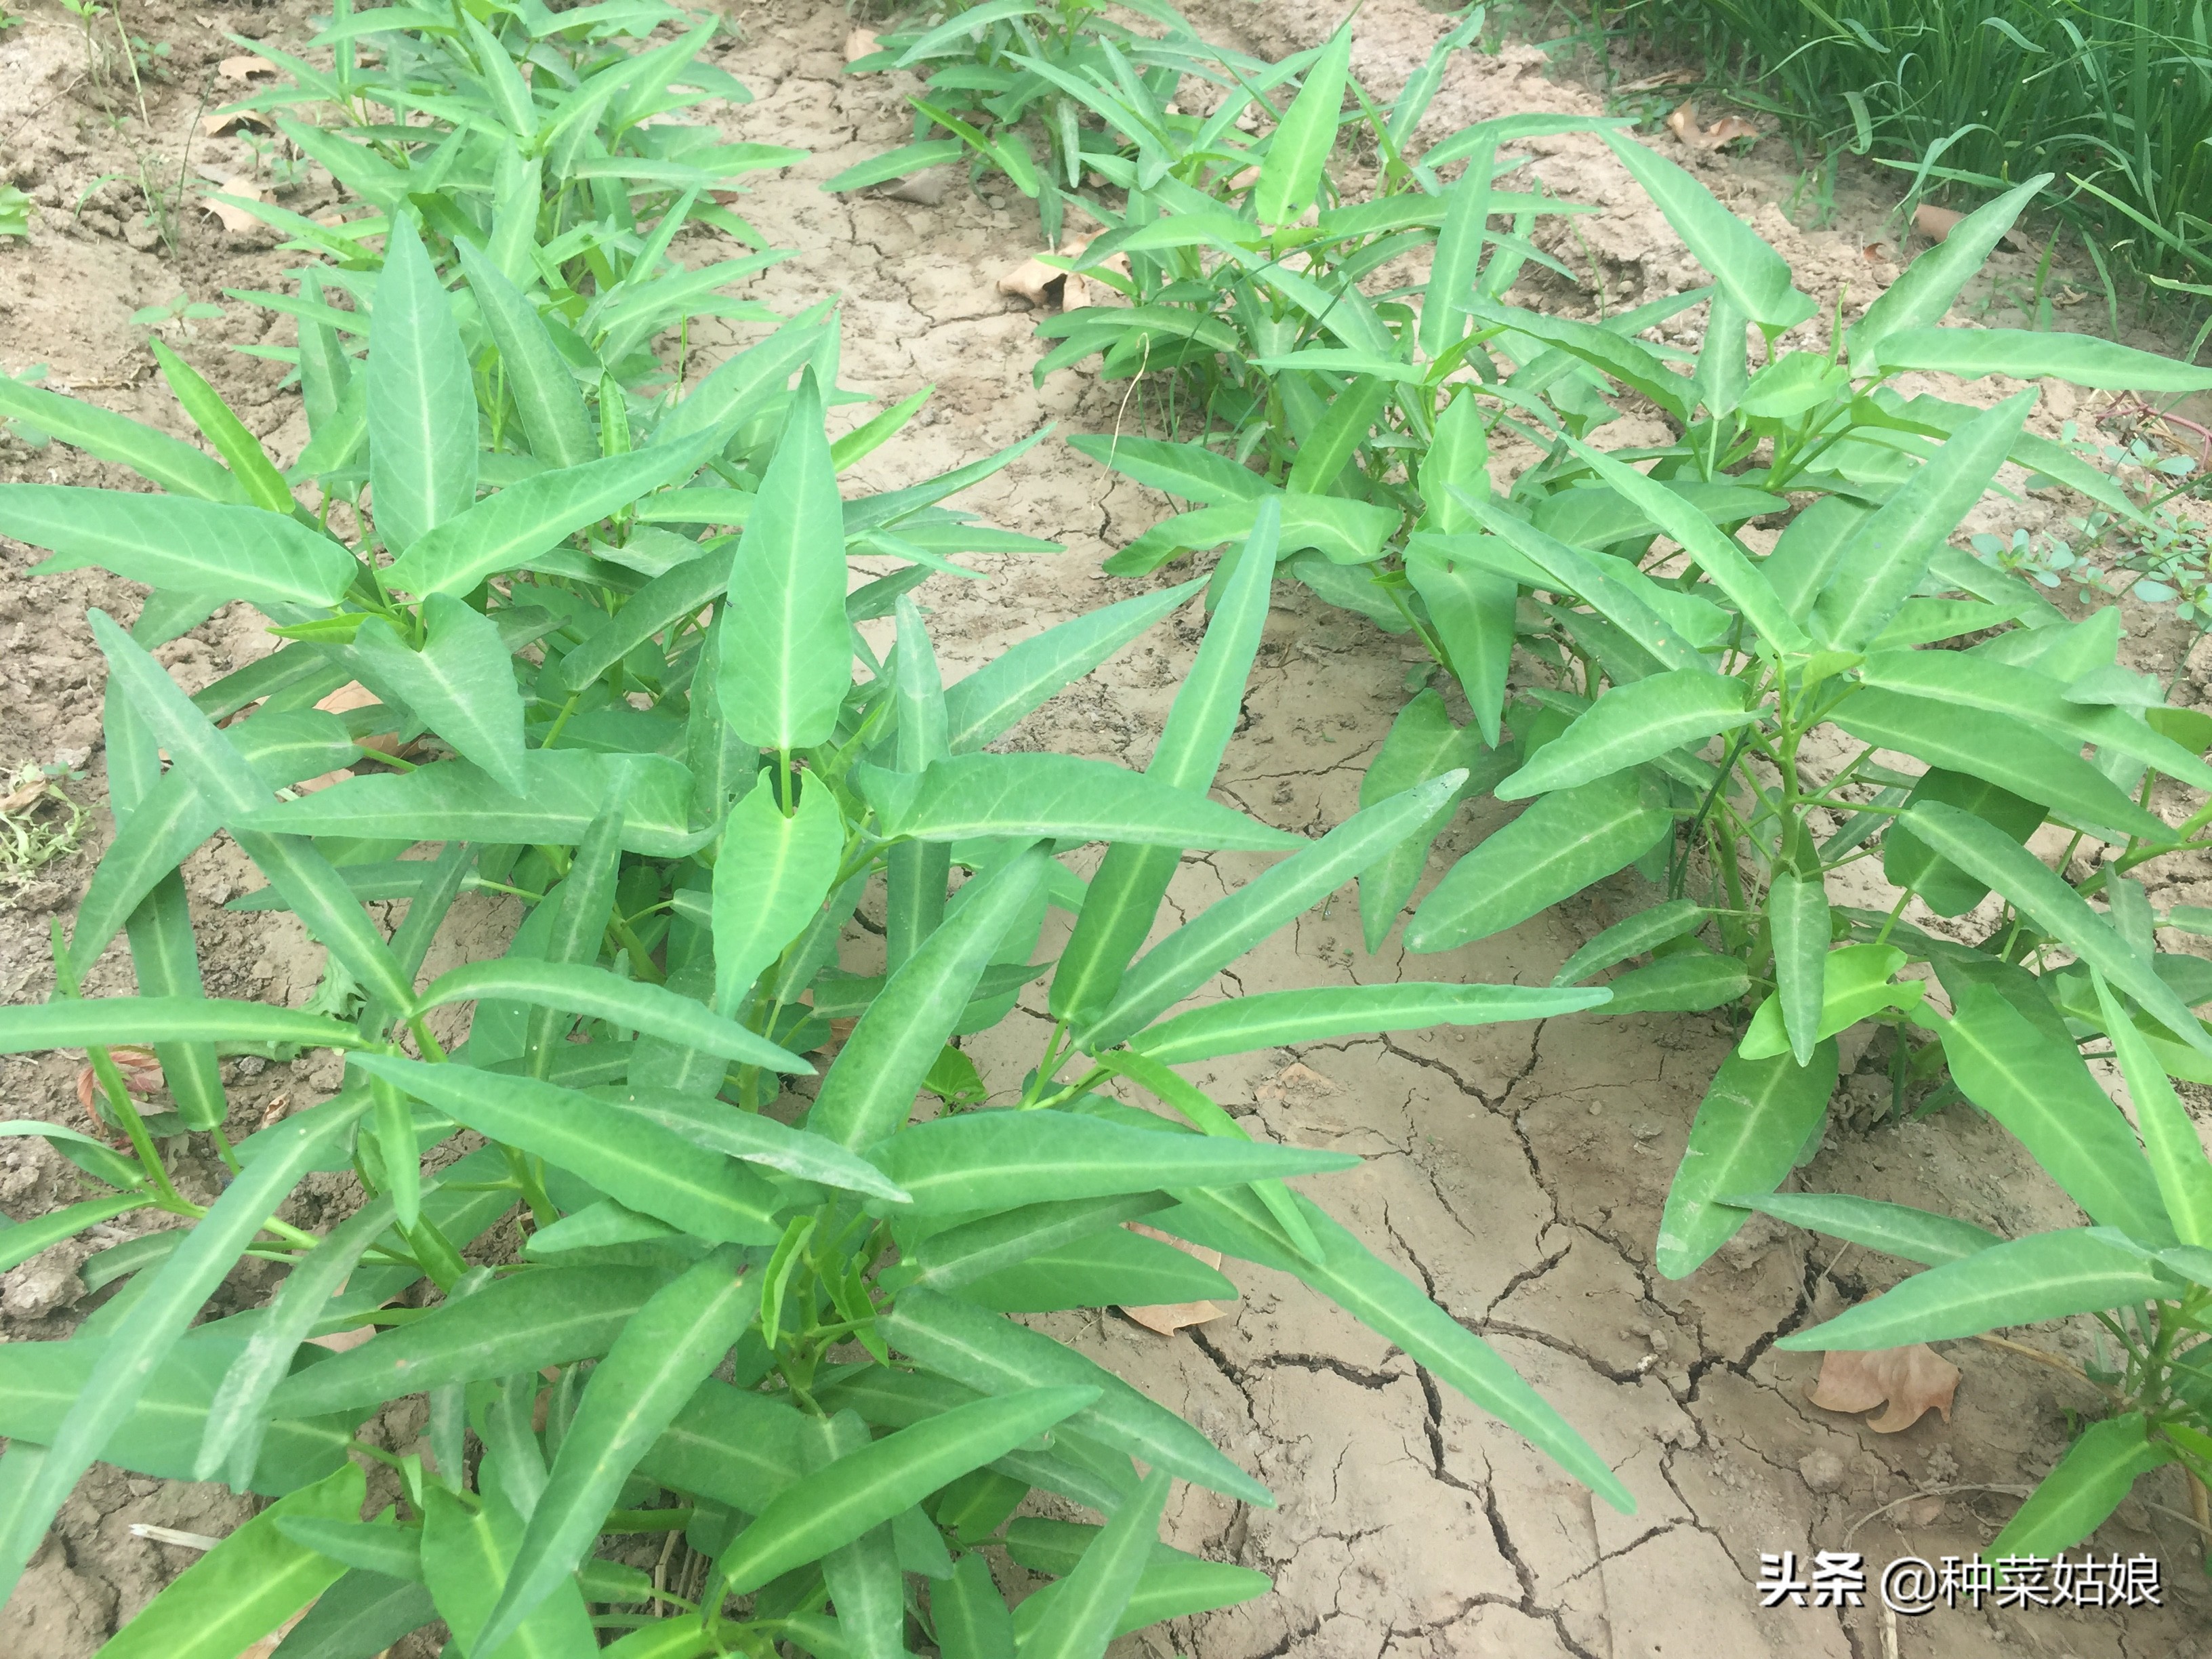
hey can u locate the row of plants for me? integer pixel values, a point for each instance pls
(1725, 719)
(760, 1303)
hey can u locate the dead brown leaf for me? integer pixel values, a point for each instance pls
(245, 67)
(1168, 1317)
(1911, 1379)
(1683, 124)
(859, 44)
(1046, 287)
(927, 188)
(223, 122)
(142, 1075)
(1934, 222)
(233, 217)
(1673, 77)
(1876, 253)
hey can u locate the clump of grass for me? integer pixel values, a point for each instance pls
(2115, 97)
(32, 836)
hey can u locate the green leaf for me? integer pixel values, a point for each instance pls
(972, 796)
(2073, 1500)
(1276, 1018)
(1458, 256)
(1642, 932)
(1754, 1120)
(1631, 724)
(868, 1487)
(1473, 612)
(2176, 1156)
(1087, 1605)
(629, 1157)
(771, 875)
(1689, 981)
(1297, 154)
(731, 1444)
(660, 1359)
(1792, 384)
(1991, 856)
(972, 1250)
(1020, 679)
(175, 541)
(1570, 570)
(1797, 920)
(870, 1089)
(95, 1157)
(529, 519)
(311, 887)
(1173, 1585)
(989, 1353)
(1755, 278)
(2004, 749)
(452, 800)
(41, 1382)
(25, 1239)
(422, 403)
(26, 1029)
(1124, 897)
(787, 657)
(1907, 861)
(247, 1585)
(997, 1160)
(542, 1316)
(1718, 554)
(756, 1138)
(466, 1556)
(2022, 1281)
(1559, 846)
(2038, 1087)
(362, 1614)
(1855, 983)
(236, 1419)
(241, 450)
(1893, 1229)
(39, 1484)
(2030, 353)
(1887, 555)
(542, 383)
(1423, 743)
(1183, 962)
(969, 1615)
(172, 464)
(1110, 1268)
(1924, 295)
(461, 684)
(597, 993)
(1190, 471)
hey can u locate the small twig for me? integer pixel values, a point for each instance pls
(1928, 1492)
(2056, 1363)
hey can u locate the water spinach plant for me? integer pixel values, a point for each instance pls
(762, 1300)
(1735, 720)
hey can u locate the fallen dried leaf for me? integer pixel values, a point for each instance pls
(1168, 1317)
(1047, 287)
(1673, 77)
(859, 44)
(24, 798)
(1934, 222)
(1683, 124)
(140, 1074)
(245, 67)
(1911, 1379)
(223, 122)
(927, 188)
(233, 217)
(1876, 253)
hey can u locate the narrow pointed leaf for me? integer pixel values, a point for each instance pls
(577, 988)
(1750, 1127)
(1087, 1605)
(422, 405)
(175, 541)
(771, 875)
(1631, 724)
(1274, 1018)
(662, 1356)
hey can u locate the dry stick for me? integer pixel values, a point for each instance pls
(1928, 1492)
(2055, 1365)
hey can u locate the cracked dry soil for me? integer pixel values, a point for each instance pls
(1517, 1171)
